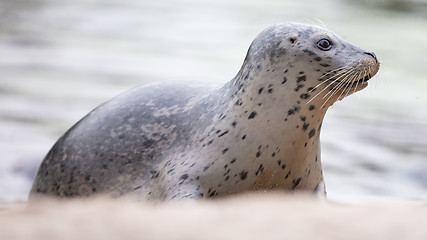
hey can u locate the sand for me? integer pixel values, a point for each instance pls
(259, 216)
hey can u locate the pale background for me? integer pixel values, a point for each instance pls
(61, 58)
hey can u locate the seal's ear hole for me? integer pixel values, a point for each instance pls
(292, 40)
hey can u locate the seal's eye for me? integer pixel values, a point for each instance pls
(324, 45)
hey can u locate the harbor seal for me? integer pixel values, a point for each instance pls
(184, 140)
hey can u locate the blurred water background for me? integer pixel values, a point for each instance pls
(61, 58)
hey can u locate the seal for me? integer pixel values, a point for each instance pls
(183, 140)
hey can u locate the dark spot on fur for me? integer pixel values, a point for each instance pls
(260, 169)
(311, 133)
(224, 151)
(311, 108)
(298, 87)
(234, 124)
(233, 160)
(301, 79)
(243, 175)
(318, 59)
(212, 193)
(310, 53)
(295, 183)
(244, 136)
(284, 80)
(149, 143)
(260, 90)
(154, 174)
(222, 134)
(305, 126)
(258, 154)
(303, 118)
(184, 177)
(325, 65)
(252, 115)
(304, 96)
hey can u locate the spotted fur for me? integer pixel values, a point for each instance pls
(171, 140)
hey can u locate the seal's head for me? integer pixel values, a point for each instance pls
(321, 66)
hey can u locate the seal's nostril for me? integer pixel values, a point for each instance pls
(372, 55)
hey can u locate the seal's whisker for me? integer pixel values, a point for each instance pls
(356, 85)
(360, 77)
(342, 71)
(335, 70)
(338, 87)
(343, 77)
(321, 22)
(322, 82)
(343, 81)
(355, 79)
(350, 79)
(342, 84)
(318, 22)
(320, 91)
(339, 74)
(348, 90)
(331, 83)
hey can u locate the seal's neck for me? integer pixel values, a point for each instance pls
(271, 126)
(278, 102)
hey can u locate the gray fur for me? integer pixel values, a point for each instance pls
(173, 140)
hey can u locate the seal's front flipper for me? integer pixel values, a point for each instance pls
(320, 191)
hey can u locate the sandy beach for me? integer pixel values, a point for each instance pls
(246, 217)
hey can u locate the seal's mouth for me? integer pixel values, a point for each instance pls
(363, 80)
(344, 81)
(352, 76)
